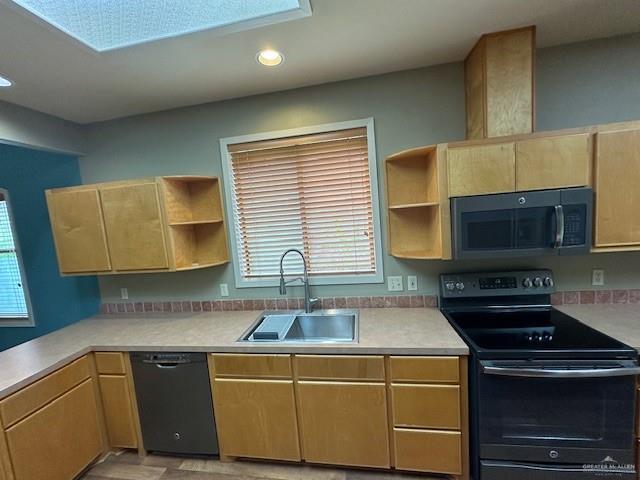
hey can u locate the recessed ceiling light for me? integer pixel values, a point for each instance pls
(5, 82)
(270, 58)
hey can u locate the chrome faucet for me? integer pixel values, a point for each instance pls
(308, 302)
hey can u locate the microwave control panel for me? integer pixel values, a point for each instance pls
(527, 282)
(575, 225)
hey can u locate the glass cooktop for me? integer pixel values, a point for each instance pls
(529, 330)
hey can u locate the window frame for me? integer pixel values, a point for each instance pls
(230, 202)
(18, 321)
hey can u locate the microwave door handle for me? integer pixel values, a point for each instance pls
(550, 373)
(559, 226)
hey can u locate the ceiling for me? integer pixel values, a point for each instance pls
(342, 39)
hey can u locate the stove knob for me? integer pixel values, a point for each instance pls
(460, 286)
(527, 283)
(546, 337)
(537, 337)
(450, 285)
(548, 282)
(537, 282)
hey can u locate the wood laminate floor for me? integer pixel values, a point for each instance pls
(127, 465)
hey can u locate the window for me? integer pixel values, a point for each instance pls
(14, 305)
(314, 189)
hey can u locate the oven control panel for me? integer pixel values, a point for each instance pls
(491, 284)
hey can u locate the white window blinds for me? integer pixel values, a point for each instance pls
(310, 192)
(12, 299)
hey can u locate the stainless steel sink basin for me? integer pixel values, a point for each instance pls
(296, 326)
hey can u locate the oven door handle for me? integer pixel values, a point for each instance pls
(550, 373)
(559, 226)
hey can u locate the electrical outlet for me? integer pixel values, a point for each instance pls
(124, 293)
(224, 290)
(597, 277)
(394, 284)
(412, 282)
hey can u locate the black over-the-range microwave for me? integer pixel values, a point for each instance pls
(544, 222)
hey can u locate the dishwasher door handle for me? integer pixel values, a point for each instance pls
(167, 365)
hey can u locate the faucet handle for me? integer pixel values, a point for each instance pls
(313, 301)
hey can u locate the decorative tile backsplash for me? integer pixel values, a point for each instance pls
(405, 301)
(583, 297)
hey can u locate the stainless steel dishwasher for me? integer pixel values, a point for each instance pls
(174, 400)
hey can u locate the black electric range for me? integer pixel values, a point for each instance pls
(550, 397)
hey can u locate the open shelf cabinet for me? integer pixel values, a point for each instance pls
(418, 204)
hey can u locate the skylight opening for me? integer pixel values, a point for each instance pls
(106, 25)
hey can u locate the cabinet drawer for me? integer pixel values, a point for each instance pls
(335, 367)
(110, 363)
(426, 406)
(425, 369)
(252, 366)
(428, 451)
(38, 394)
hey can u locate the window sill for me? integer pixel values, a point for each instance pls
(313, 281)
(17, 322)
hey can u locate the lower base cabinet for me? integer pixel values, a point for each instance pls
(118, 411)
(344, 423)
(58, 441)
(256, 418)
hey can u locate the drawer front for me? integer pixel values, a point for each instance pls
(336, 367)
(428, 451)
(426, 406)
(425, 369)
(110, 363)
(252, 366)
(38, 394)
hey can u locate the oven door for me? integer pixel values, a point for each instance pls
(557, 412)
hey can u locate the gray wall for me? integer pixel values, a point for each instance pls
(24, 127)
(586, 83)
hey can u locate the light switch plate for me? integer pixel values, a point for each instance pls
(597, 277)
(124, 293)
(224, 290)
(394, 284)
(412, 282)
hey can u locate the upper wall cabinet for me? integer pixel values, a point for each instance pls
(146, 225)
(529, 164)
(617, 186)
(499, 74)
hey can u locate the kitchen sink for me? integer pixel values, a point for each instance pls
(296, 326)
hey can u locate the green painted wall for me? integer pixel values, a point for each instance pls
(586, 83)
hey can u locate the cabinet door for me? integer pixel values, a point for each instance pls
(344, 423)
(482, 169)
(256, 418)
(58, 441)
(134, 227)
(553, 162)
(617, 185)
(118, 412)
(78, 230)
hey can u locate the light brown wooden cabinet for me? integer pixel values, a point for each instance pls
(118, 401)
(499, 89)
(617, 181)
(558, 161)
(59, 419)
(344, 423)
(255, 417)
(152, 224)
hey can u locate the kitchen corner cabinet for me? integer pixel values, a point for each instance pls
(118, 402)
(617, 181)
(146, 225)
(254, 406)
(418, 204)
(52, 427)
